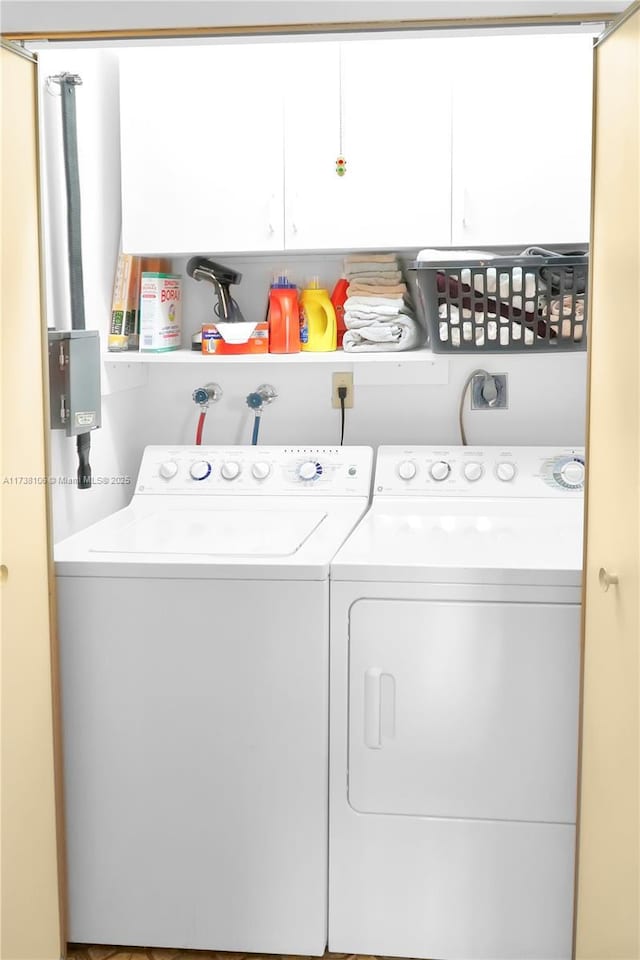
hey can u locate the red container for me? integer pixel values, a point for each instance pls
(338, 298)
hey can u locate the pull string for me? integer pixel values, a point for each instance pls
(341, 163)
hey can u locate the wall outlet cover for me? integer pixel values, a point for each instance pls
(478, 400)
(342, 380)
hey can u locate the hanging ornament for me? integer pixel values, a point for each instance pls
(341, 166)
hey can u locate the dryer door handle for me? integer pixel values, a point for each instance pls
(372, 704)
(379, 707)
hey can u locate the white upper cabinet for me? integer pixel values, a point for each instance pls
(232, 147)
(385, 105)
(201, 143)
(522, 139)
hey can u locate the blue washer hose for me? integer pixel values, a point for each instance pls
(254, 402)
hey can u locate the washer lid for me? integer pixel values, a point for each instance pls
(471, 541)
(238, 538)
(211, 533)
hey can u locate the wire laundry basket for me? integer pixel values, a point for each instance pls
(505, 304)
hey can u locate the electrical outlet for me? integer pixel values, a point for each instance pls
(342, 380)
(478, 399)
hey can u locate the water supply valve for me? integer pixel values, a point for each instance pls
(264, 395)
(210, 393)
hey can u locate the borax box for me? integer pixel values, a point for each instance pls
(160, 312)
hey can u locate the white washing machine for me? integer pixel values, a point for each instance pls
(193, 630)
(454, 684)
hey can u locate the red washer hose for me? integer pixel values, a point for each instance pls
(200, 428)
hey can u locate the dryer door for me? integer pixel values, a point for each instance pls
(464, 709)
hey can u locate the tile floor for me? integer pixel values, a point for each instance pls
(91, 952)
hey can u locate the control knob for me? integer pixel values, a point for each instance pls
(407, 470)
(473, 471)
(308, 470)
(440, 470)
(200, 469)
(261, 470)
(572, 473)
(230, 469)
(505, 471)
(168, 469)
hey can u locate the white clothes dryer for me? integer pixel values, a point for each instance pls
(454, 687)
(194, 644)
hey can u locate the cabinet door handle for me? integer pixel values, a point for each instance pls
(606, 579)
(466, 217)
(294, 212)
(4, 572)
(272, 214)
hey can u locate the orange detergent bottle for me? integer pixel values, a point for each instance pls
(284, 316)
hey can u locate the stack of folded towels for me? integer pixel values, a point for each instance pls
(377, 313)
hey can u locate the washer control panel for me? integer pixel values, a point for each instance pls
(276, 471)
(480, 471)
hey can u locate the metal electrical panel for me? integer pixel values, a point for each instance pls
(74, 380)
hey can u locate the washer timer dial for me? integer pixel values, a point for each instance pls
(309, 470)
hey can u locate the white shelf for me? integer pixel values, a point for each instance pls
(400, 368)
(422, 355)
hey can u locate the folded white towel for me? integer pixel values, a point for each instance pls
(359, 303)
(356, 323)
(403, 333)
(375, 312)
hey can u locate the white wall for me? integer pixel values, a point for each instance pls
(151, 403)
(546, 405)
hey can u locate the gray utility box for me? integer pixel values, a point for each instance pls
(74, 380)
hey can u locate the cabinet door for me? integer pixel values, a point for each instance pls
(201, 131)
(522, 139)
(385, 104)
(608, 901)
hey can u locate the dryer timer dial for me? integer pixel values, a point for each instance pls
(572, 473)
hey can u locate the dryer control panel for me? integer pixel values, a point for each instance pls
(480, 472)
(269, 471)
